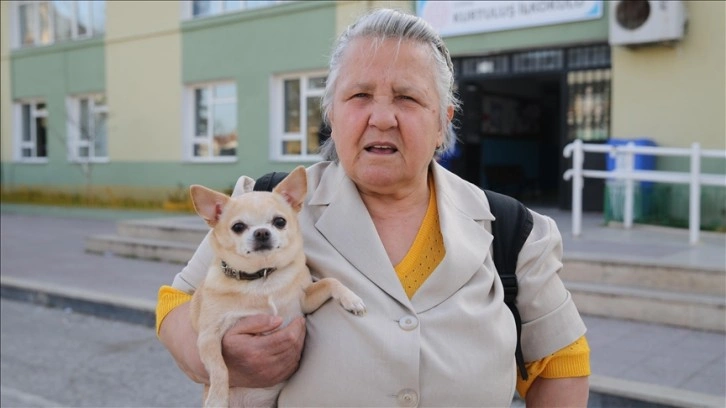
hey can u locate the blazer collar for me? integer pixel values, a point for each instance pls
(463, 196)
(462, 208)
(347, 226)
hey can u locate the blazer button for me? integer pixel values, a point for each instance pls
(408, 322)
(407, 398)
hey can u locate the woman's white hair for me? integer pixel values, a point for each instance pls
(382, 24)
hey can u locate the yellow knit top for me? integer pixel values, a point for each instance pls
(422, 258)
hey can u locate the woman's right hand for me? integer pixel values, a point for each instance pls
(256, 353)
(257, 356)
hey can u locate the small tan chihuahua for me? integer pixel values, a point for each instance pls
(259, 267)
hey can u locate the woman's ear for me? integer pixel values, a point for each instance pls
(450, 112)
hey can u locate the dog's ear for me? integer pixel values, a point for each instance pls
(208, 203)
(244, 185)
(294, 187)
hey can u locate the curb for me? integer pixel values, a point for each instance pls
(579, 256)
(127, 310)
(604, 391)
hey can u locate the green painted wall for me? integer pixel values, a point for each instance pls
(53, 73)
(59, 70)
(249, 49)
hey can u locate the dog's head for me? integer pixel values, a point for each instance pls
(256, 229)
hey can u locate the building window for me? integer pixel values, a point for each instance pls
(48, 22)
(297, 126)
(87, 128)
(31, 132)
(588, 111)
(213, 114)
(204, 8)
(588, 57)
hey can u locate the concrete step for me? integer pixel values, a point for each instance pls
(679, 296)
(142, 248)
(656, 277)
(689, 310)
(177, 229)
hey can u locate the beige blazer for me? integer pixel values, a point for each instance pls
(453, 343)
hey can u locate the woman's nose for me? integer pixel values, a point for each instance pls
(383, 116)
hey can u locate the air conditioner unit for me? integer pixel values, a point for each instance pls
(642, 22)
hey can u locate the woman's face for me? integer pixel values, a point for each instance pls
(385, 116)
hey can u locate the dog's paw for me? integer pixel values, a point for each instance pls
(352, 303)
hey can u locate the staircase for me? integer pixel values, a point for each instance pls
(689, 297)
(164, 239)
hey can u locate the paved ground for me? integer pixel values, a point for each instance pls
(42, 250)
(55, 358)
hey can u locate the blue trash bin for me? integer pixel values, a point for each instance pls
(642, 161)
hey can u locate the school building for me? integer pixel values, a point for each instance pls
(130, 102)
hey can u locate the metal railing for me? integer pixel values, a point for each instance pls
(625, 171)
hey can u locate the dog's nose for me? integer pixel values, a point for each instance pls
(262, 235)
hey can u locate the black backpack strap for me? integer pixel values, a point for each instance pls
(268, 181)
(510, 230)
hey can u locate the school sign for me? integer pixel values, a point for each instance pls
(452, 18)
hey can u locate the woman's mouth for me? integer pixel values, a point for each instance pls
(381, 149)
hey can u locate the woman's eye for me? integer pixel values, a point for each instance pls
(238, 228)
(279, 222)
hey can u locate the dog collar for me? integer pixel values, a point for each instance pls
(242, 275)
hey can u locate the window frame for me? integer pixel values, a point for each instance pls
(19, 128)
(218, 8)
(17, 39)
(189, 125)
(74, 139)
(278, 135)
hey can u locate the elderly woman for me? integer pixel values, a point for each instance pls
(413, 240)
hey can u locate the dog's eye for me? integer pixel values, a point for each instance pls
(279, 222)
(239, 227)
